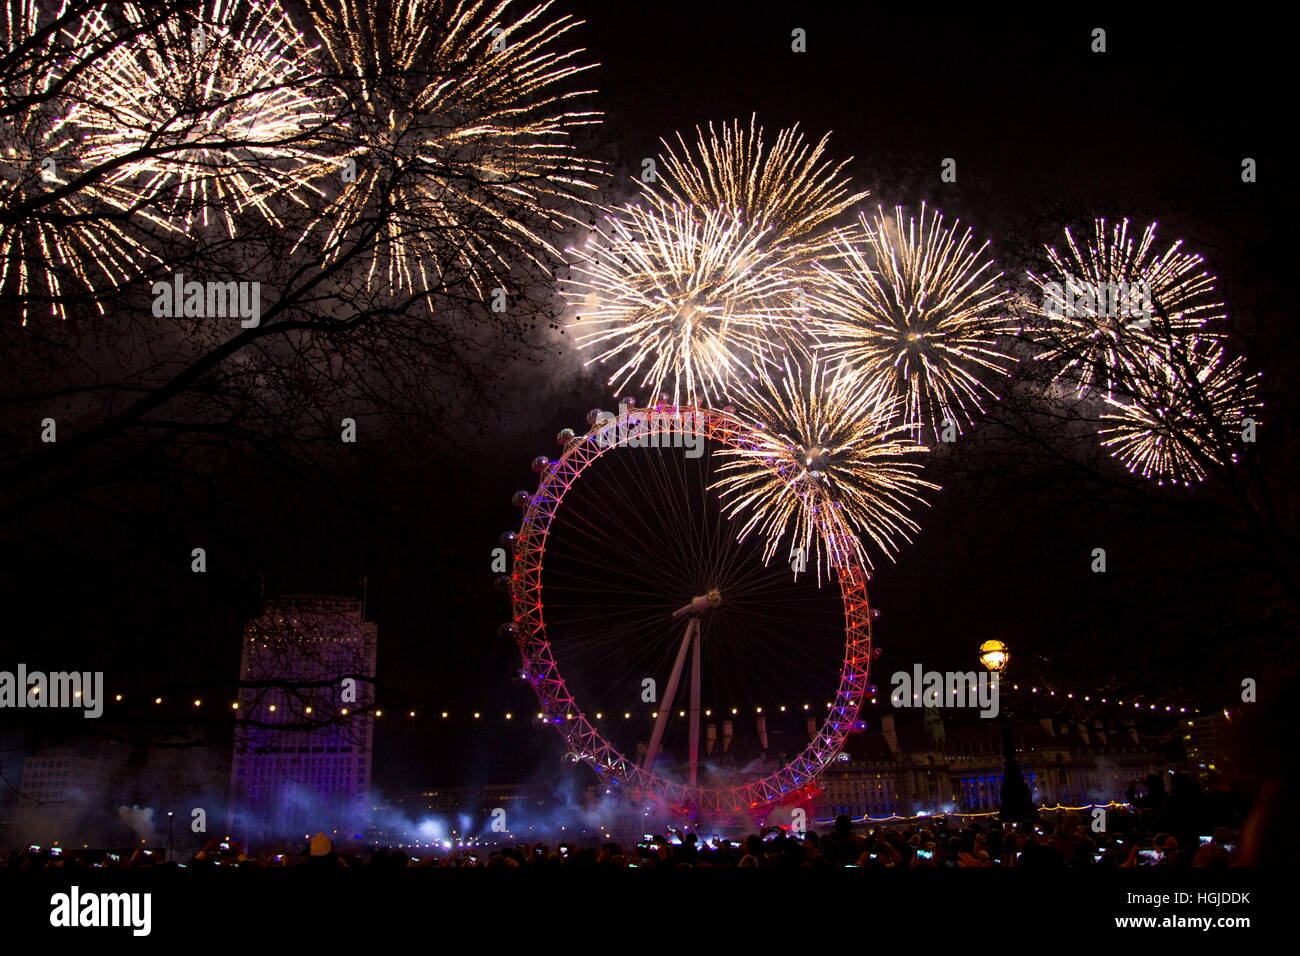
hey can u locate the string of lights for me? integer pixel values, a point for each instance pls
(485, 713)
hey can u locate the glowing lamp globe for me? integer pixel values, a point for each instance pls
(994, 655)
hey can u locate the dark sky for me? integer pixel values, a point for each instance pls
(1019, 101)
(1154, 128)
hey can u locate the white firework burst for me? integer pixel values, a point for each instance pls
(912, 306)
(684, 300)
(1186, 410)
(831, 468)
(59, 244)
(209, 114)
(1107, 304)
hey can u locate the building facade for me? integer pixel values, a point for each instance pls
(303, 747)
(912, 766)
(61, 792)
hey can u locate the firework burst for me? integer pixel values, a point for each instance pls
(208, 114)
(788, 186)
(58, 244)
(684, 299)
(1185, 411)
(461, 139)
(831, 467)
(912, 308)
(1107, 305)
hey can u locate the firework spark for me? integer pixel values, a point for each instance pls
(208, 114)
(461, 142)
(831, 466)
(787, 187)
(1185, 411)
(684, 299)
(913, 308)
(57, 244)
(1107, 306)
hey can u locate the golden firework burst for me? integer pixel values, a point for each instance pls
(459, 142)
(788, 186)
(60, 243)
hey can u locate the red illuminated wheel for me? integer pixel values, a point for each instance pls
(631, 578)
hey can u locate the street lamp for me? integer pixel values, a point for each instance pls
(1017, 803)
(170, 853)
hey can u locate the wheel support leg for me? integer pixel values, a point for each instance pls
(670, 692)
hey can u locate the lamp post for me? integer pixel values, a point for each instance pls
(170, 814)
(1017, 803)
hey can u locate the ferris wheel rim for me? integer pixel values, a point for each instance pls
(791, 783)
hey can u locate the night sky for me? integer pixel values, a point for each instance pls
(1043, 131)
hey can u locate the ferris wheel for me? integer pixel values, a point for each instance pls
(644, 624)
